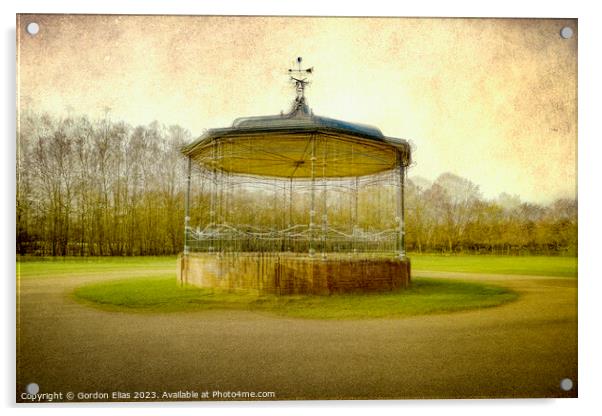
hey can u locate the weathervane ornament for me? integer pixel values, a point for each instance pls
(300, 84)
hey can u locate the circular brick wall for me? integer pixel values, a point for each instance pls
(287, 273)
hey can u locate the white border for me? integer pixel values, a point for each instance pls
(590, 97)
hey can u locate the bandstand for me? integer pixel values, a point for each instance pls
(294, 204)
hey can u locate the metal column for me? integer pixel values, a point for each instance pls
(401, 245)
(212, 211)
(289, 224)
(312, 209)
(187, 208)
(324, 202)
(355, 213)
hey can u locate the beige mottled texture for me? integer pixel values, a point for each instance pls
(493, 100)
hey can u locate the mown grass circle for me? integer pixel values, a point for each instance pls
(164, 295)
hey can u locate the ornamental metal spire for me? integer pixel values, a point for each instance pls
(300, 83)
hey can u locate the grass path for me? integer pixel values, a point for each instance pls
(520, 349)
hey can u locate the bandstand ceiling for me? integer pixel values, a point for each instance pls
(286, 145)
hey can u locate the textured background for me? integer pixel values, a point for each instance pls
(493, 100)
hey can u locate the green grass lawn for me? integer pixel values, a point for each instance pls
(69, 266)
(528, 265)
(164, 294)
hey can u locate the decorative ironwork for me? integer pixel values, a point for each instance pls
(298, 183)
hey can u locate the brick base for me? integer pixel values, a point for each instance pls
(286, 273)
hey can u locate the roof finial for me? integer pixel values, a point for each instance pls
(300, 84)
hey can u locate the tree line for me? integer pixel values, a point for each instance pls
(449, 215)
(103, 187)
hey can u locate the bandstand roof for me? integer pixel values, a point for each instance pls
(287, 145)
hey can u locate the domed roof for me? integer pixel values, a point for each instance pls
(298, 145)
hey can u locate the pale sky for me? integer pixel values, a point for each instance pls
(492, 100)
